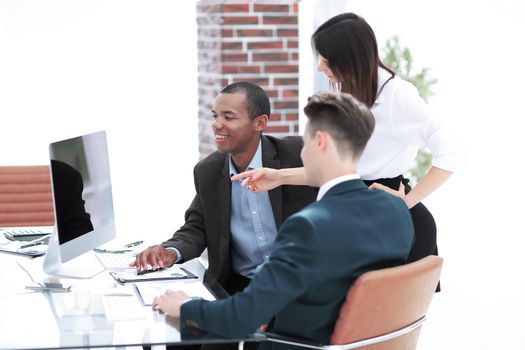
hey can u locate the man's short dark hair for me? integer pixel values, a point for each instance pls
(257, 101)
(348, 121)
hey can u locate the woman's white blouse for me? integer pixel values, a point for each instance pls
(403, 125)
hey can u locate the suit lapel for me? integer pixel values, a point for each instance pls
(270, 159)
(225, 213)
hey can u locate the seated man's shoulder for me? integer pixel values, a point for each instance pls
(211, 161)
(286, 141)
(287, 147)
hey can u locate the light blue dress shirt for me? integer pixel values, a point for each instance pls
(252, 224)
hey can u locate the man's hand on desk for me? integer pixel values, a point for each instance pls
(170, 302)
(155, 256)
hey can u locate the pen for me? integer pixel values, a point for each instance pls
(31, 244)
(133, 244)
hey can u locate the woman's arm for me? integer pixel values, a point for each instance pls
(428, 184)
(265, 179)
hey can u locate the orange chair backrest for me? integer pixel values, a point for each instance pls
(386, 300)
(25, 196)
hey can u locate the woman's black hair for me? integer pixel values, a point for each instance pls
(349, 45)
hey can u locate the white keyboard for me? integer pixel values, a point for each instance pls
(122, 307)
(114, 261)
(26, 233)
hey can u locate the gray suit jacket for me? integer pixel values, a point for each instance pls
(207, 220)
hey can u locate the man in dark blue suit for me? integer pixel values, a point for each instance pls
(322, 249)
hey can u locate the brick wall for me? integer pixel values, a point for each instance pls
(254, 41)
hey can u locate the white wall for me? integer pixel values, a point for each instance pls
(75, 66)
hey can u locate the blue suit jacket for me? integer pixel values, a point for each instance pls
(318, 254)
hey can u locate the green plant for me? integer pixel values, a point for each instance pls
(400, 60)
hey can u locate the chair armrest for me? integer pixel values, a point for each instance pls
(277, 338)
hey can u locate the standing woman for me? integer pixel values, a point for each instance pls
(348, 55)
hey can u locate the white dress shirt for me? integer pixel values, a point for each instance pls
(403, 125)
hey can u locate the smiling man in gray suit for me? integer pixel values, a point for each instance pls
(322, 249)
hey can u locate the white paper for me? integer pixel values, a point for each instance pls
(195, 289)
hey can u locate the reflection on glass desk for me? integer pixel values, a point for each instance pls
(31, 320)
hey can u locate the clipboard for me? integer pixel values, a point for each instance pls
(170, 274)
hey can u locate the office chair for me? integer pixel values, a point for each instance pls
(25, 196)
(384, 309)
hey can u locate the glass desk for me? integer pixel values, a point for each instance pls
(51, 320)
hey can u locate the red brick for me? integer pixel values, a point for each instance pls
(232, 45)
(280, 19)
(270, 56)
(240, 20)
(281, 68)
(255, 32)
(235, 8)
(285, 105)
(226, 33)
(288, 32)
(291, 116)
(234, 57)
(294, 56)
(236, 69)
(265, 45)
(290, 93)
(271, 8)
(261, 81)
(278, 128)
(286, 81)
(225, 82)
(296, 8)
(272, 93)
(292, 44)
(275, 117)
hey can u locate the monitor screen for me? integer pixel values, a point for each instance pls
(82, 199)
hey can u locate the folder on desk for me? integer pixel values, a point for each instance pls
(172, 273)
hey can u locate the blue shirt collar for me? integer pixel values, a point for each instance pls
(255, 163)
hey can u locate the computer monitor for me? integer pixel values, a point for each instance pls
(83, 205)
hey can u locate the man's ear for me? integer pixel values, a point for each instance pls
(261, 122)
(321, 139)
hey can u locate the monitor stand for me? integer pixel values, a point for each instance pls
(85, 266)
